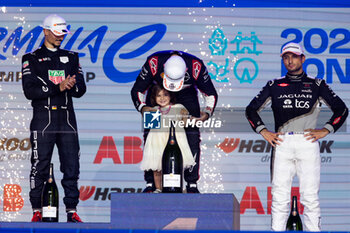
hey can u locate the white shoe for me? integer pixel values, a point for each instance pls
(157, 191)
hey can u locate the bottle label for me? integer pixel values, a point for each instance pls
(49, 212)
(171, 180)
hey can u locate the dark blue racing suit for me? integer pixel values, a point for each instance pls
(196, 77)
(53, 119)
(296, 103)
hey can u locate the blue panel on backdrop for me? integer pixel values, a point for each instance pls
(179, 3)
(175, 211)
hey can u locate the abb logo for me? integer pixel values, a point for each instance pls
(13, 200)
(251, 200)
(259, 146)
(108, 149)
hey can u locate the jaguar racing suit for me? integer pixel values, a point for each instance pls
(296, 102)
(196, 77)
(53, 119)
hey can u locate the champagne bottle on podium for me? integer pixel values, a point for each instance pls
(294, 222)
(49, 199)
(172, 165)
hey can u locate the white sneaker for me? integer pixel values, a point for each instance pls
(157, 191)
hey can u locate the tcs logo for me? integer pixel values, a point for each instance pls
(108, 150)
(302, 104)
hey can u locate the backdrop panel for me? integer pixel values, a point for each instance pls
(241, 48)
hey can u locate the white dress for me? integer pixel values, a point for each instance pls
(157, 139)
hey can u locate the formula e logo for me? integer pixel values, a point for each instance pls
(151, 120)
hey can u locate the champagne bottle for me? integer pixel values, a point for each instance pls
(49, 199)
(172, 165)
(294, 222)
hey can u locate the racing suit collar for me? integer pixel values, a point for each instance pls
(296, 77)
(49, 52)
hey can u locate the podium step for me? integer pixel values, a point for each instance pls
(175, 211)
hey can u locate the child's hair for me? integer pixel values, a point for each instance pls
(155, 90)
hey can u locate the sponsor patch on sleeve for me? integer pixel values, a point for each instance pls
(25, 64)
(153, 64)
(196, 68)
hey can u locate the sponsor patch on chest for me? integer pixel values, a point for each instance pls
(44, 59)
(64, 59)
(56, 76)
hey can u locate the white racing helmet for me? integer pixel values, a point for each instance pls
(292, 48)
(174, 73)
(56, 24)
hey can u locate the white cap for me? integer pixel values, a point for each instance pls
(56, 24)
(174, 73)
(292, 48)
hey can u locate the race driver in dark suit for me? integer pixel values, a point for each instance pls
(51, 77)
(183, 74)
(296, 101)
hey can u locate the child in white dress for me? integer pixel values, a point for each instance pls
(157, 139)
